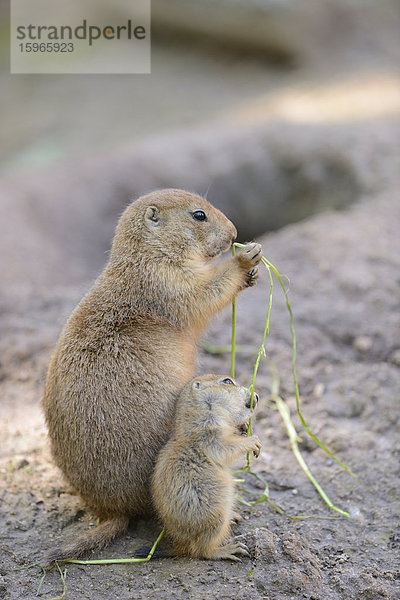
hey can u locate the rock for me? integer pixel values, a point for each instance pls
(23, 463)
(363, 344)
(394, 358)
(263, 544)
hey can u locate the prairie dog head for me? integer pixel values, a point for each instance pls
(173, 224)
(214, 399)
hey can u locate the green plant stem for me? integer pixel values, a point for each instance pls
(32, 567)
(281, 405)
(293, 438)
(63, 576)
(43, 577)
(113, 561)
(269, 265)
(265, 498)
(261, 352)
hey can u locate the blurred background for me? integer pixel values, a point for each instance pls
(275, 109)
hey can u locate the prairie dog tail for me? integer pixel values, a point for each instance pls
(96, 539)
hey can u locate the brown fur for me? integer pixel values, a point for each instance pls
(192, 485)
(129, 348)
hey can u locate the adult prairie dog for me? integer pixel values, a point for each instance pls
(129, 348)
(192, 485)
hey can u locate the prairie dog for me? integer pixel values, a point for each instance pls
(192, 485)
(128, 349)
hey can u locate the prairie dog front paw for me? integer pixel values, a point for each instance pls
(250, 256)
(251, 277)
(256, 445)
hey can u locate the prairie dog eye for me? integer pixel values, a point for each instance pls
(228, 381)
(199, 215)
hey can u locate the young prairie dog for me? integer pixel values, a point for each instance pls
(128, 349)
(192, 485)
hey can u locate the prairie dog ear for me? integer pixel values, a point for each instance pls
(198, 385)
(151, 216)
